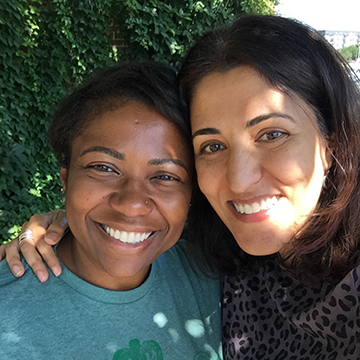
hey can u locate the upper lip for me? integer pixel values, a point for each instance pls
(253, 207)
(128, 229)
(127, 236)
(254, 199)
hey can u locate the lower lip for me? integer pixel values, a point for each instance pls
(262, 215)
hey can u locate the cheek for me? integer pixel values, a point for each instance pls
(296, 166)
(175, 209)
(82, 197)
(76, 206)
(79, 198)
(303, 174)
(208, 178)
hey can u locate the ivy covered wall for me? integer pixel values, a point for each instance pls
(49, 46)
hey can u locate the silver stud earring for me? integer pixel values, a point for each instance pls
(63, 196)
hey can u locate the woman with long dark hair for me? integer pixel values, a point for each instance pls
(275, 124)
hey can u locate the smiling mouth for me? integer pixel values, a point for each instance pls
(126, 237)
(256, 206)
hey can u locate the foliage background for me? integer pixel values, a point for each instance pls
(49, 46)
(350, 52)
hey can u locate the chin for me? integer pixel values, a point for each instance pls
(263, 252)
(261, 249)
(264, 238)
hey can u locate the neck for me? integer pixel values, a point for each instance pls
(77, 261)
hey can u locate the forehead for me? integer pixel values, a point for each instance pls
(240, 94)
(133, 126)
(243, 83)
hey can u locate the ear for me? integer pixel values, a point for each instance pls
(64, 177)
(327, 159)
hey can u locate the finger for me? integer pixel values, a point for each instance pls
(34, 259)
(31, 234)
(13, 258)
(48, 254)
(36, 228)
(56, 227)
(39, 224)
(33, 245)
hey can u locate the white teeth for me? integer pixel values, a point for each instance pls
(239, 208)
(127, 237)
(131, 237)
(256, 207)
(263, 205)
(247, 209)
(269, 203)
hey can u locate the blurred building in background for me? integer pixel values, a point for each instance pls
(341, 39)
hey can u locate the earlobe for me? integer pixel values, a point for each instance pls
(63, 177)
(328, 159)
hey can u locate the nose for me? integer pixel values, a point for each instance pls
(131, 199)
(243, 169)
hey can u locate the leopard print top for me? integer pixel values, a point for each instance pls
(269, 315)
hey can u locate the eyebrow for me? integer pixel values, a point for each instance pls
(105, 150)
(206, 131)
(261, 118)
(121, 156)
(249, 124)
(168, 161)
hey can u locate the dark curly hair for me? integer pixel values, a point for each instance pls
(297, 60)
(150, 83)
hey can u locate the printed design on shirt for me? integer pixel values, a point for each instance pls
(268, 314)
(149, 350)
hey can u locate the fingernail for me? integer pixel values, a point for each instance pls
(41, 276)
(16, 270)
(51, 236)
(56, 271)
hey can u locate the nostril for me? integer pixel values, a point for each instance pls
(130, 203)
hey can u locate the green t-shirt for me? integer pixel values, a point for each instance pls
(174, 314)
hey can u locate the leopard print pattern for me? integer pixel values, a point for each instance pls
(269, 315)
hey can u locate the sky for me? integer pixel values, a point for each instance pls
(341, 15)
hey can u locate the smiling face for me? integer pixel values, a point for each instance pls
(128, 188)
(259, 157)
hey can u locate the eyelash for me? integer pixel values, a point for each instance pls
(281, 134)
(218, 146)
(206, 149)
(167, 177)
(101, 168)
(108, 169)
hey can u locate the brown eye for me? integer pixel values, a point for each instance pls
(272, 135)
(167, 178)
(212, 148)
(101, 168)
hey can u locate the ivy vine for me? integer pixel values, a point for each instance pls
(48, 46)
